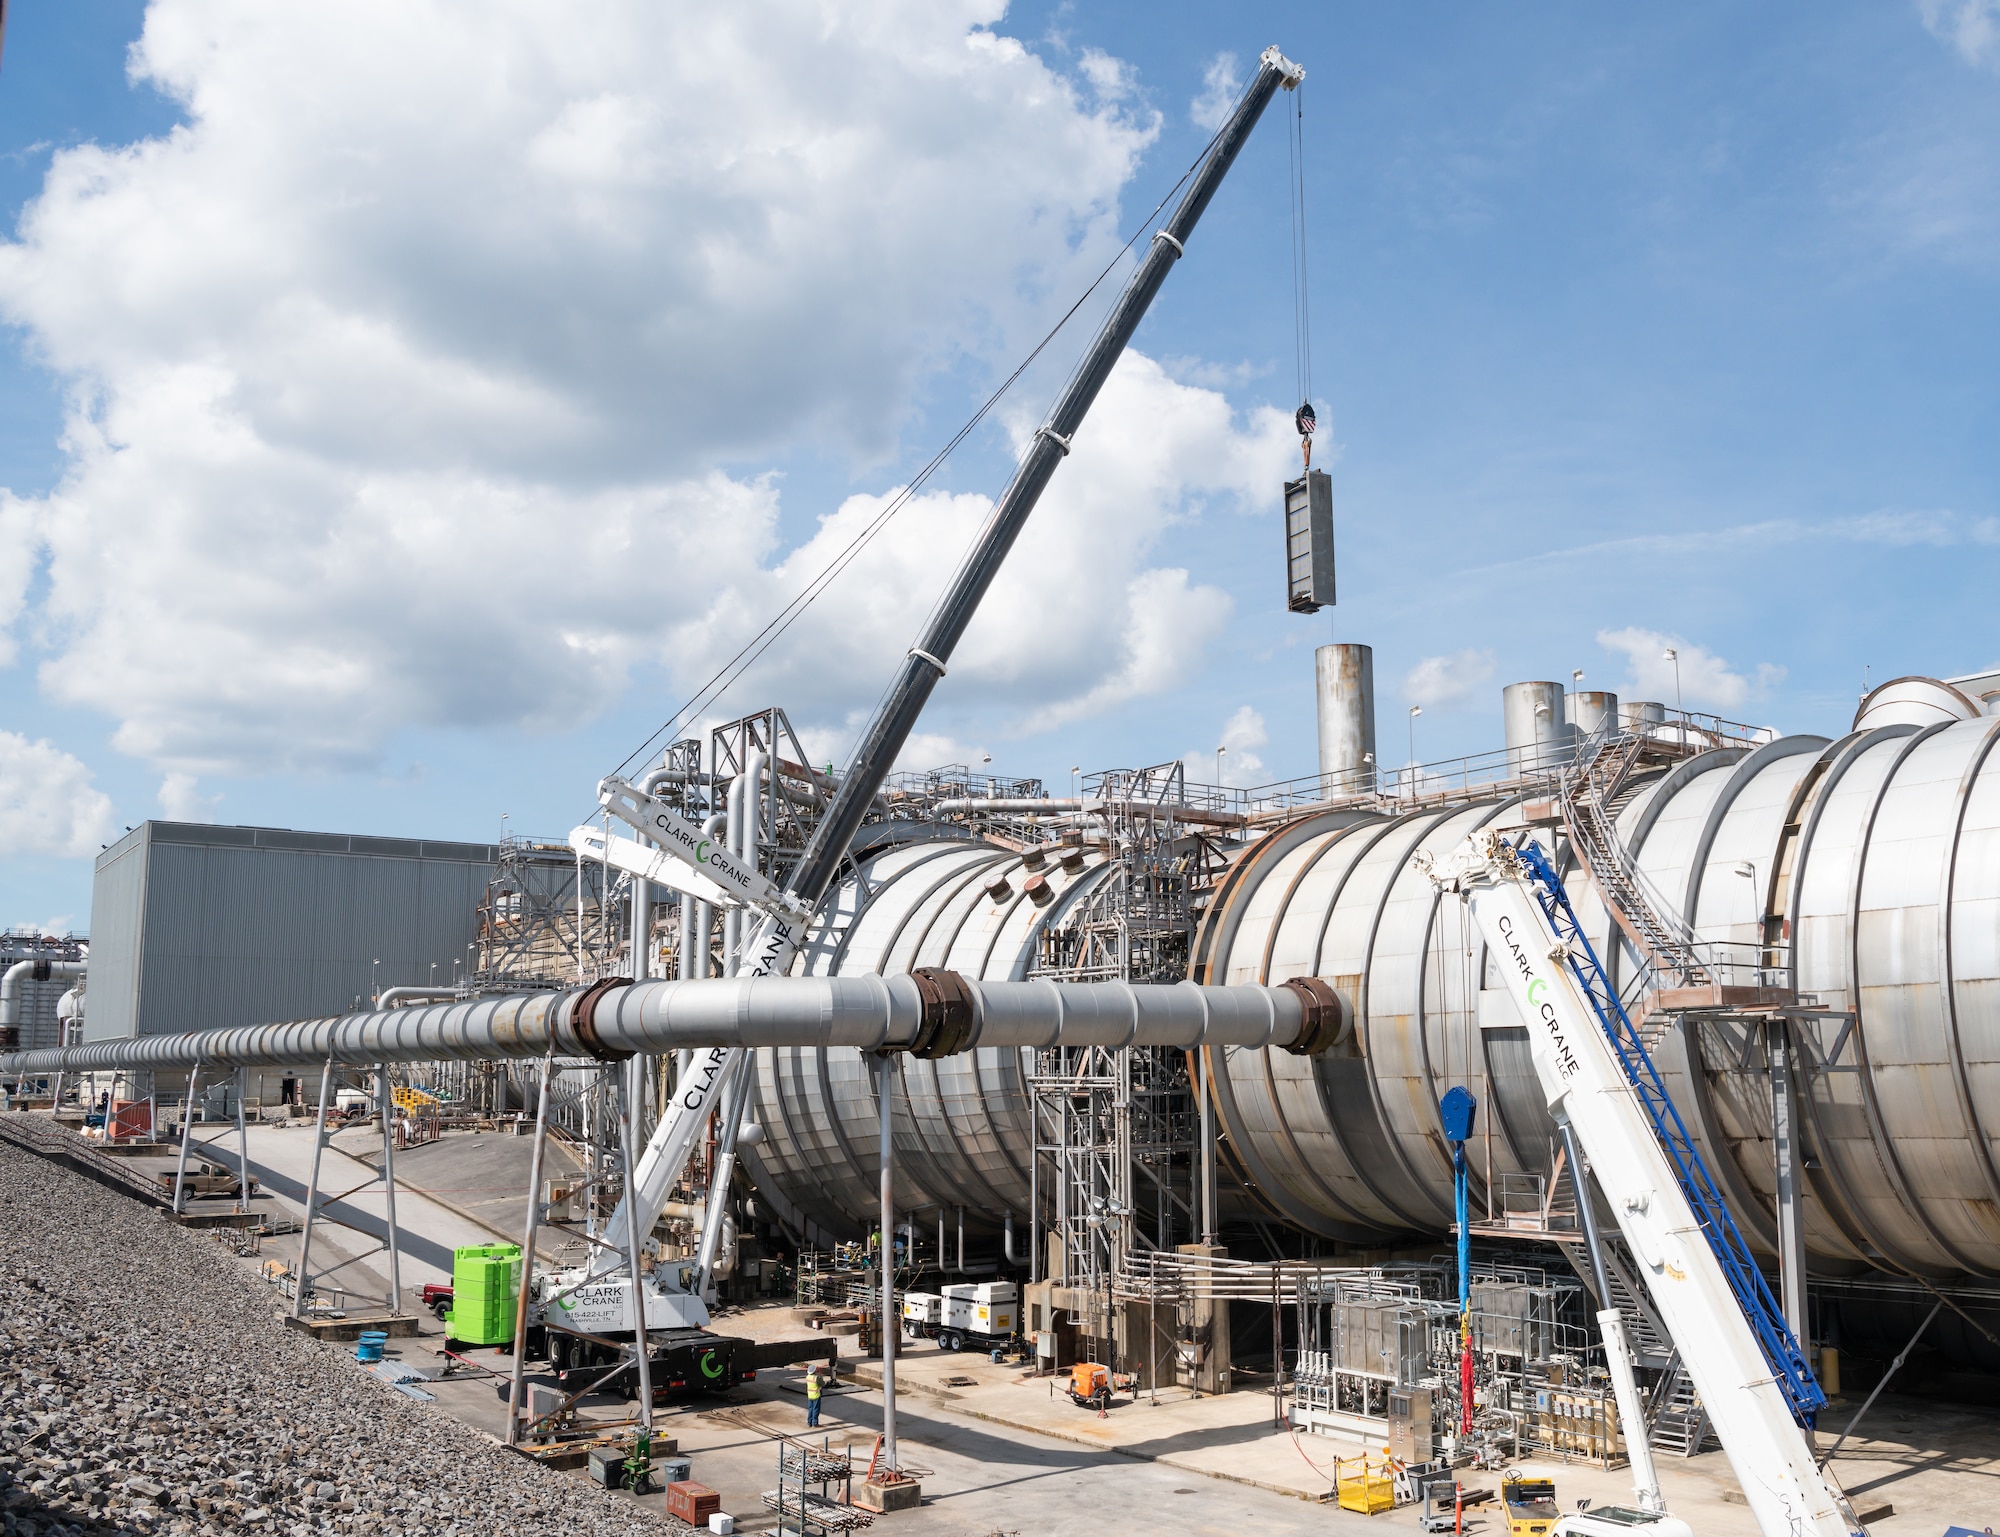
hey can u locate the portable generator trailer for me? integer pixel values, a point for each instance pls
(978, 1317)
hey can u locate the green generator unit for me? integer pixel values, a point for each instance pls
(485, 1281)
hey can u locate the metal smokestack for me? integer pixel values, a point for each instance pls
(1591, 708)
(1537, 733)
(1344, 690)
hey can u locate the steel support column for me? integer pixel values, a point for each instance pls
(303, 1280)
(530, 1226)
(641, 1343)
(1206, 1154)
(242, 1137)
(885, 1081)
(389, 1190)
(187, 1130)
(1785, 1147)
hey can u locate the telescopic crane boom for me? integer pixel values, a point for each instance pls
(1749, 1370)
(770, 950)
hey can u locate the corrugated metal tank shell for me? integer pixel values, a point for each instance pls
(964, 1138)
(1873, 860)
(1877, 862)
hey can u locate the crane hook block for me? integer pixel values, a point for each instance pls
(1458, 1108)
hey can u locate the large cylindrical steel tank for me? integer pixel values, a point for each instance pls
(969, 907)
(1871, 864)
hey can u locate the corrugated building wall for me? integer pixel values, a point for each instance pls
(200, 927)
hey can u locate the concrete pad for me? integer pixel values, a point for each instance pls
(905, 1494)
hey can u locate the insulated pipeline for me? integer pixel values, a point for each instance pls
(929, 1013)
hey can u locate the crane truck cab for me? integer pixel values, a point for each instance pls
(1621, 1521)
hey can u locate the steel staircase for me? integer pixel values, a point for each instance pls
(1676, 1421)
(1597, 786)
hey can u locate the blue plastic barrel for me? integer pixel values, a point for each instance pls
(369, 1346)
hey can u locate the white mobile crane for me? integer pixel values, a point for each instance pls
(690, 862)
(1752, 1375)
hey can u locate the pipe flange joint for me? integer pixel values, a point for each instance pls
(1323, 1018)
(42, 968)
(945, 1025)
(583, 1020)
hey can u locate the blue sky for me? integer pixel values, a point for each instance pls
(1627, 324)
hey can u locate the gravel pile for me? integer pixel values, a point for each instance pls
(147, 1385)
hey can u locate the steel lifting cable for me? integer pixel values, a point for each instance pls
(1295, 148)
(725, 676)
(1295, 142)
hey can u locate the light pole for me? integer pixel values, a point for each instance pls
(1674, 656)
(374, 992)
(1415, 711)
(1076, 780)
(1219, 751)
(1748, 870)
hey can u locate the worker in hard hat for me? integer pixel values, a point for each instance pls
(815, 1391)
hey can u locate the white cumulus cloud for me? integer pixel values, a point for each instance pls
(1240, 764)
(1705, 680)
(48, 804)
(1077, 622)
(407, 372)
(1220, 86)
(181, 800)
(1444, 681)
(1972, 27)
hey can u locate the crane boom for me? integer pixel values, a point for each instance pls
(770, 950)
(1594, 1070)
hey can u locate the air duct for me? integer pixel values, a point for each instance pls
(935, 1013)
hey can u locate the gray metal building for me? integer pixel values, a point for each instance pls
(196, 927)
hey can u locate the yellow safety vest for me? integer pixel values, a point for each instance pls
(813, 1387)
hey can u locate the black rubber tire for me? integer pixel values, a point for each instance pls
(951, 1341)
